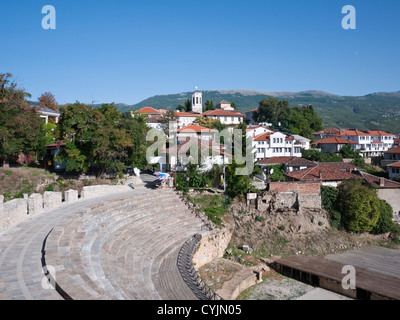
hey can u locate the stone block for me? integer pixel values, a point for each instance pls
(15, 211)
(71, 195)
(35, 204)
(52, 199)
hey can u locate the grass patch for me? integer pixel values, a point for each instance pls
(214, 206)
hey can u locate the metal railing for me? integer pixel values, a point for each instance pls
(190, 275)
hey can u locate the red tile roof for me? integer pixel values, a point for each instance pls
(376, 141)
(334, 140)
(352, 132)
(322, 173)
(289, 161)
(394, 165)
(379, 133)
(186, 114)
(223, 113)
(155, 119)
(196, 128)
(340, 165)
(147, 110)
(327, 131)
(263, 137)
(393, 150)
(376, 181)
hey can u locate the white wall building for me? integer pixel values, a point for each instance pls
(230, 118)
(277, 144)
(369, 143)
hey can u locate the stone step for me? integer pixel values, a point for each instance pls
(113, 252)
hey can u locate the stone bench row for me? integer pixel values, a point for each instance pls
(114, 238)
(19, 210)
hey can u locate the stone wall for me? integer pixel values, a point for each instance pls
(212, 246)
(19, 210)
(102, 190)
(284, 196)
(298, 187)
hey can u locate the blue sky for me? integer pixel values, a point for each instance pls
(126, 51)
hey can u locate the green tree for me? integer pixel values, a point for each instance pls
(136, 128)
(319, 156)
(385, 223)
(329, 196)
(359, 205)
(21, 130)
(236, 185)
(272, 110)
(209, 105)
(187, 107)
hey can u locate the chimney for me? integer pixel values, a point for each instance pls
(381, 182)
(320, 174)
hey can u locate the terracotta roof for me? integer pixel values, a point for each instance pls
(155, 119)
(376, 141)
(394, 165)
(292, 161)
(328, 174)
(196, 128)
(256, 127)
(222, 113)
(148, 110)
(393, 150)
(186, 114)
(263, 137)
(376, 181)
(327, 131)
(256, 109)
(351, 132)
(379, 133)
(333, 140)
(339, 165)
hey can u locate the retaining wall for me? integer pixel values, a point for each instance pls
(212, 246)
(18, 210)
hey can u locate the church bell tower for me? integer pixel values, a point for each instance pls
(197, 101)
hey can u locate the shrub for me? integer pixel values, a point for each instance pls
(359, 205)
(385, 223)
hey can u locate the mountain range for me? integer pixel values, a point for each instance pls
(374, 111)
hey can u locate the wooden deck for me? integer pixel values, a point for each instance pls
(377, 272)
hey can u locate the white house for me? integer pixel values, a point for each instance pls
(196, 131)
(369, 143)
(46, 113)
(225, 105)
(204, 153)
(186, 118)
(253, 131)
(277, 144)
(230, 118)
(393, 170)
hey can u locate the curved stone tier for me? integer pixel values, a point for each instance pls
(122, 246)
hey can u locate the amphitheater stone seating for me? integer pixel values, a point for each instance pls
(116, 246)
